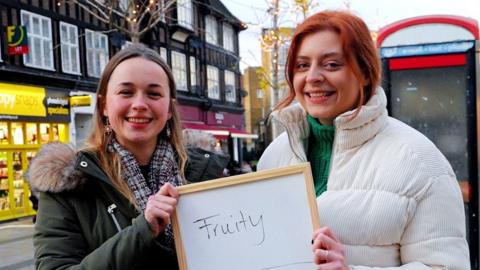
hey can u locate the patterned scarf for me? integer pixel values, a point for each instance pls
(163, 169)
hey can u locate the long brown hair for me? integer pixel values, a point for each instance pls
(358, 47)
(98, 141)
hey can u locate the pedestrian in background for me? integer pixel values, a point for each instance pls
(108, 206)
(386, 195)
(204, 162)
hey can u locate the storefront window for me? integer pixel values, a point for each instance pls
(17, 133)
(62, 132)
(30, 155)
(4, 203)
(18, 182)
(19, 142)
(32, 137)
(44, 133)
(3, 133)
(55, 132)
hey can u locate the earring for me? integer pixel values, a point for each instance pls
(169, 132)
(108, 127)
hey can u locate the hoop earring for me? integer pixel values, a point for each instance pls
(108, 127)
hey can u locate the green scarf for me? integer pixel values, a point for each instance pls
(319, 152)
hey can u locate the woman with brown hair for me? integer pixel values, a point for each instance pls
(108, 206)
(386, 195)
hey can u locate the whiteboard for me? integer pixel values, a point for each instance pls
(256, 221)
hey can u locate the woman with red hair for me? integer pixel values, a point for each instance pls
(386, 195)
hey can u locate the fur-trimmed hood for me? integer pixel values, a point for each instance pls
(53, 169)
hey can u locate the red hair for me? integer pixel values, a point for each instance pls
(358, 48)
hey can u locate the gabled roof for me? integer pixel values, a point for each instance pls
(218, 8)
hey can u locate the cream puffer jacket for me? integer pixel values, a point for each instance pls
(392, 198)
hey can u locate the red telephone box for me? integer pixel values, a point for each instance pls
(431, 77)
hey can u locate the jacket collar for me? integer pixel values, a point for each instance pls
(349, 133)
(352, 132)
(58, 167)
(87, 163)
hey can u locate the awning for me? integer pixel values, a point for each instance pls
(221, 132)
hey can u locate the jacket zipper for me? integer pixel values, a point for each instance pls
(111, 210)
(289, 132)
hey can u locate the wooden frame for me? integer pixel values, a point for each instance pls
(292, 228)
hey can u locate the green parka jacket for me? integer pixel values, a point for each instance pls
(83, 222)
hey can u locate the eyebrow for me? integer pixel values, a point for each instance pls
(152, 85)
(322, 56)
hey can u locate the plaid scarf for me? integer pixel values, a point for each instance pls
(163, 169)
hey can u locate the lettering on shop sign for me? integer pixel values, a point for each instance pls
(63, 111)
(7, 101)
(29, 101)
(57, 101)
(218, 225)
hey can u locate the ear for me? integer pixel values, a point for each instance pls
(365, 81)
(172, 103)
(101, 101)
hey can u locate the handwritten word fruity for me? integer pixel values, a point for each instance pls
(219, 225)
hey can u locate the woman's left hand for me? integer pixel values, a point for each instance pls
(329, 253)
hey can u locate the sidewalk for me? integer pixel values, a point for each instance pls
(16, 245)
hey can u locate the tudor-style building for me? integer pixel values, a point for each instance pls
(68, 49)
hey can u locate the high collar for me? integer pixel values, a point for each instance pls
(349, 132)
(352, 132)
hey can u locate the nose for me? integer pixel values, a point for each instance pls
(314, 75)
(139, 103)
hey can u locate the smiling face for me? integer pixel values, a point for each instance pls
(137, 102)
(324, 83)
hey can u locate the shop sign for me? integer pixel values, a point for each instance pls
(426, 49)
(78, 101)
(219, 117)
(17, 39)
(57, 105)
(21, 100)
(28, 103)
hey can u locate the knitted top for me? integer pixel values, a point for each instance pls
(319, 152)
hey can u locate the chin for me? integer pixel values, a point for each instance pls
(318, 114)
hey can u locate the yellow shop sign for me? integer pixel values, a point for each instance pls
(22, 100)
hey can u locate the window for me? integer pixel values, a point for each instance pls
(70, 54)
(212, 82)
(163, 54)
(228, 37)
(185, 13)
(97, 52)
(39, 30)
(123, 4)
(211, 30)
(230, 94)
(179, 70)
(193, 72)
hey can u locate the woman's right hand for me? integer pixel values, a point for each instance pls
(160, 208)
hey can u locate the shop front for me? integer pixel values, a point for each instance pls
(227, 128)
(29, 117)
